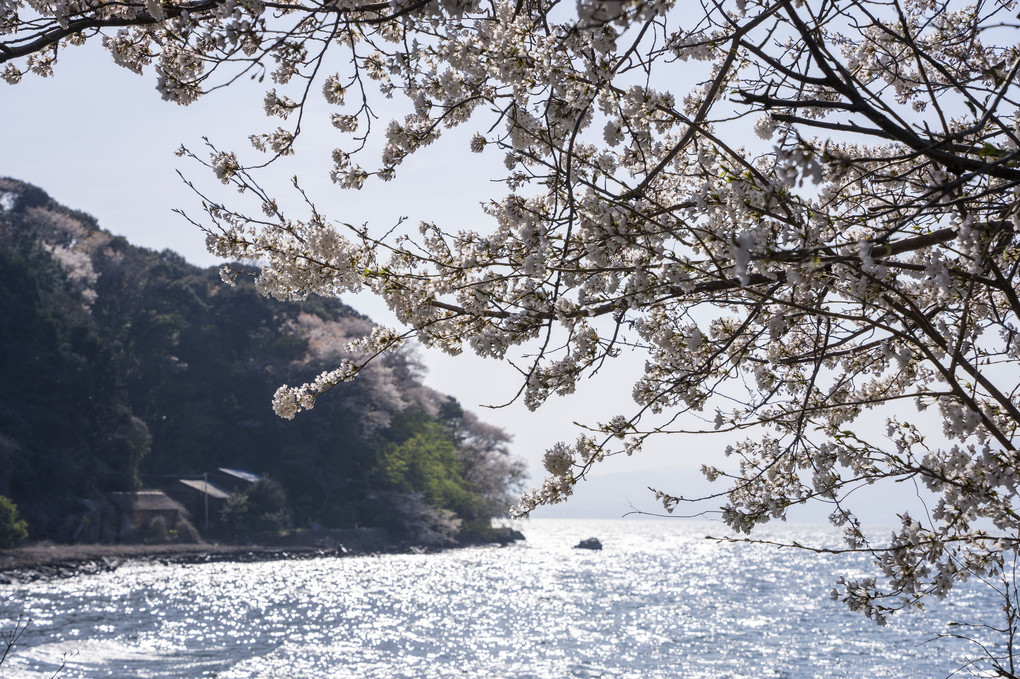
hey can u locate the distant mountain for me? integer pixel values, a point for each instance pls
(122, 367)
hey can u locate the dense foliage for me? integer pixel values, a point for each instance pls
(255, 513)
(119, 366)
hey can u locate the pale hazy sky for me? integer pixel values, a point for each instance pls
(98, 138)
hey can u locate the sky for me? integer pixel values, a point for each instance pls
(99, 139)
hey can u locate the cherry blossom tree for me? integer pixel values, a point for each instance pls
(802, 213)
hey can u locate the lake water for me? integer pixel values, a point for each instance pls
(658, 601)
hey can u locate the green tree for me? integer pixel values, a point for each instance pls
(12, 528)
(258, 512)
(426, 462)
(69, 432)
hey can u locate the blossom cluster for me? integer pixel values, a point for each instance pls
(845, 263)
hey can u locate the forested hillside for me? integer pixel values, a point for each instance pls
(122, 367)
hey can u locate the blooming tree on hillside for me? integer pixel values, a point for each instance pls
(798, 211)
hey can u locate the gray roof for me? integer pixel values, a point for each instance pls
(240, 474)
(145, 500)
(207, 488)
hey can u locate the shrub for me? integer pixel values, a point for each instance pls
(259, 512)
(155, 532)
(185, 533)
(12, 528)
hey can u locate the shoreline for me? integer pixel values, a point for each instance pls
(45, 562)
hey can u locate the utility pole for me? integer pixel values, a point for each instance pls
(205, 494)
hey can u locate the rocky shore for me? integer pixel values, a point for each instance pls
(49, 562)
(46, 561)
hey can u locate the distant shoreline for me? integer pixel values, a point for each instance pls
(44, 562)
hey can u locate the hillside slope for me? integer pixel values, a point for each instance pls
(122, 367)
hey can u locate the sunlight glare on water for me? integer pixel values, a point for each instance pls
(658, 601)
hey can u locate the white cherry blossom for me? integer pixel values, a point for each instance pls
(802, 214)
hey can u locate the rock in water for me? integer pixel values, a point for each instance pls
(590, 543)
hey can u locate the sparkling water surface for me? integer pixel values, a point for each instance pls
(658, 601)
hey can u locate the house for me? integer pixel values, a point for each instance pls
(204, 497)
(143, 510)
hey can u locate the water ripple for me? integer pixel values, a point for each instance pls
(659, 601)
